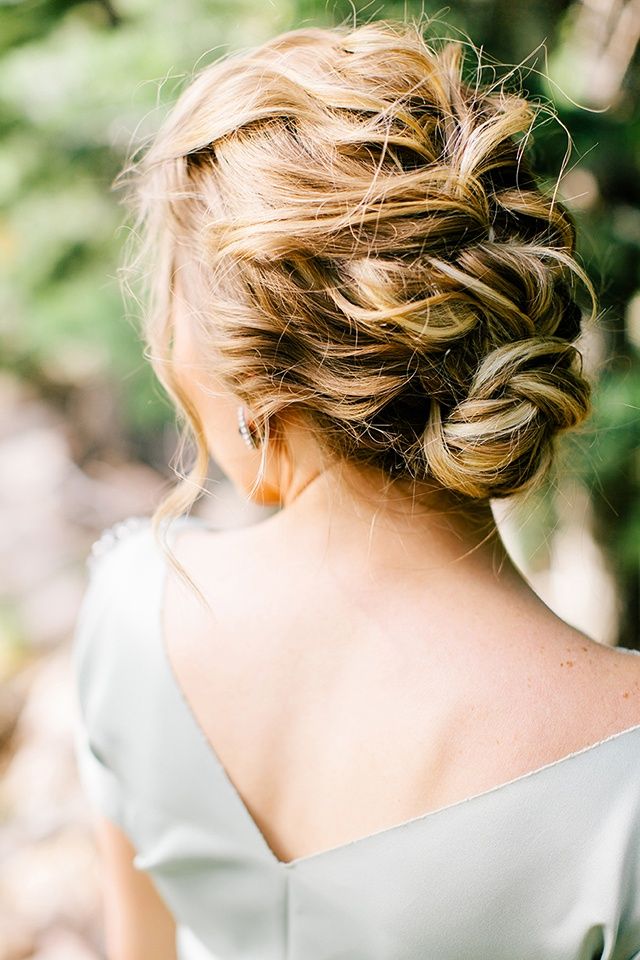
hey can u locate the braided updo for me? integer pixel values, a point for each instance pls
(367, 243)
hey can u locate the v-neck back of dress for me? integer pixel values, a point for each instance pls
(542, 866)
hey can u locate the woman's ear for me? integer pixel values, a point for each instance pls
(270, 465)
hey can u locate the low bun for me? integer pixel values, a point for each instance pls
(499, 439)
(368, 244)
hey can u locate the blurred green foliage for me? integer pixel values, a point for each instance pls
(80, 82)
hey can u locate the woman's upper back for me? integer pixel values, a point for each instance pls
(266, 768)
(316, 679)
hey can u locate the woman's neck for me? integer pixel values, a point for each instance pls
(360, 519)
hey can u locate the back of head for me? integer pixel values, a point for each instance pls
(364, 240)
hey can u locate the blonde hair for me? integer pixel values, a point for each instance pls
(365, 241)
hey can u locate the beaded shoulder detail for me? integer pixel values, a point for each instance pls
(112, 535)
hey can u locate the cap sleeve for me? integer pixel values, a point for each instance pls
(94, 657)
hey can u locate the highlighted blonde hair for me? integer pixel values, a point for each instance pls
(365, 241)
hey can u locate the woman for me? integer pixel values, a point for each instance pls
(362, 735)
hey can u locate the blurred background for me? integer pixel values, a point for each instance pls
(87, 437)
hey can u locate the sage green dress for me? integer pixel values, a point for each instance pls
(543, 867)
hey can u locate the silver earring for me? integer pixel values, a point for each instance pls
(243, 429)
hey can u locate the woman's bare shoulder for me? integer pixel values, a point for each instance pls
(597, 685)
(609, 681)
(624, 665)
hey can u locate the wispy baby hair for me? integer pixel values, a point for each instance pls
(364, 240)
